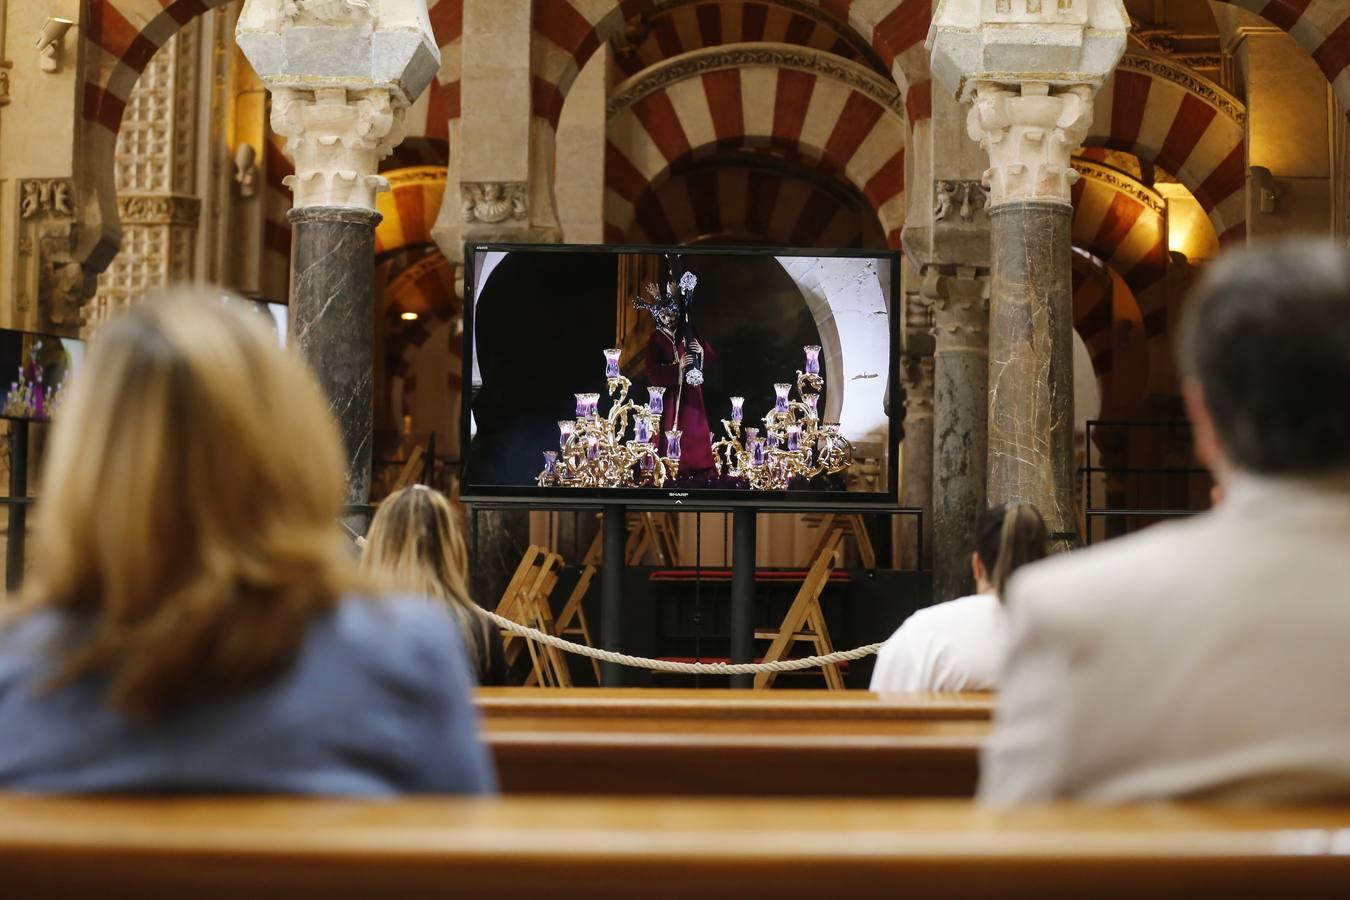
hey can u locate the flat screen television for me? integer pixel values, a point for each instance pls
(705, 377)
(40, 367)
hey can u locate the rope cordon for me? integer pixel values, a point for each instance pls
(665, 665)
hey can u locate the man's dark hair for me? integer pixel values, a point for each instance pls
(1267, 336)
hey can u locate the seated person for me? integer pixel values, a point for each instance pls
(959, 645)
(1206, 658)
(416, 546)
(192, 621)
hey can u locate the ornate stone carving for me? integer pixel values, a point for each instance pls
(493, 202)
(1201, 87)
(327, 11)
(960, 309)
(963, 199)
(336, 138)
(5, 66)
(778, 56)
(1123, 183)
(916, 374)
(1030, 137)
(50, 278)
(158, 209)
(45, 197)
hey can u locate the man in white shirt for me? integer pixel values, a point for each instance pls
(1208, 658)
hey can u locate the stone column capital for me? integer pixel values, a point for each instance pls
(916, 374)
(336, 138)
(960, 309)
(1030, 132)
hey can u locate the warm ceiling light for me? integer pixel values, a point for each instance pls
(409, 317)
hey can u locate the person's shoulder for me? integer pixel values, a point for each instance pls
(942, 615)
(1077, 585)
(400, 630)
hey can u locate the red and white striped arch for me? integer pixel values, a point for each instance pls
(1183, 124)
(1321, 26)
(1122, 223)
(697, 24)
(812, 113)
(747, 199)
(567, 32)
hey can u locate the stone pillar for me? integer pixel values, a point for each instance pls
(916, 481)
(1030, 136)
(961, 351)
(342, 75)
(1031, 70)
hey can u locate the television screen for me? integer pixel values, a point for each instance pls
(41, 365)
(708, 376)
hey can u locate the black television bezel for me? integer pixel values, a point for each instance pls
(707, 499)
(41, 334)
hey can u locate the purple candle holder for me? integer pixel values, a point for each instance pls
(780, 397)
(592, 404)
(592, 447)
(648, 463)
(751, 434)
(612, 362)
(566, 428)
(656, 399)
(757, 452)
(773, 440)
(794, 437)
(550, 461)
(673, 444)
(812, 402)
(581, 406)
(737, 408)
(642, 427)
(812, 359)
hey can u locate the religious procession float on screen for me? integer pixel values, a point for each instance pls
(700, 376)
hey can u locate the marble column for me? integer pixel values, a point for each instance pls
(961, 378)
(916, 482)
(332, 322)
(1030, 71)
(342, 75)
(1030, 134)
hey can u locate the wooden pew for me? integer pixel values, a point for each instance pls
(684, 703)
(592, 849)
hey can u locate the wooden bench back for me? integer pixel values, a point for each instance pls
(425, 849)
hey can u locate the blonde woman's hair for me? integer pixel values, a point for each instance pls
(416, 546)
(1009, 537)
(188, 525)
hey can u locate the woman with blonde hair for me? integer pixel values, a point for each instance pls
(192, 621)
(959, 645)
(416, 546)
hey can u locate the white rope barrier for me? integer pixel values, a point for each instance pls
(663, 665)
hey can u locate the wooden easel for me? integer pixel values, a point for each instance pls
(805, 620)
(526, 601)
(836, 525)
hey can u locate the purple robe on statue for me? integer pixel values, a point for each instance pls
(663, 370)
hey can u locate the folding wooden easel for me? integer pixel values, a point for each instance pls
(836, 525)
(805, 620)
(526, 601)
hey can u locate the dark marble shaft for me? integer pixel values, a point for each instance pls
(916, 481)
(960, 410)
(1031, 360)
(333, 321)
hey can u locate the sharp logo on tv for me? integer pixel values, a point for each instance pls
(732, 375)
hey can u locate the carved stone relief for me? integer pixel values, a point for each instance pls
(51, 283)
(959, 200)
(494, 202)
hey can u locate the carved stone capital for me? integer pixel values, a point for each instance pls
(960, 309)
(960, 202)
(495, 202)
(1030, 134)
(916, 374)
(336, 138)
